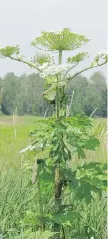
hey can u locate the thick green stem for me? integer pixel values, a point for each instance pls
(60, 58)
(57, 101)
(57, 88)
(58, 190)
(58, 185)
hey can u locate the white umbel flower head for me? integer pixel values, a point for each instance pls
(54, 70)
(43, 66)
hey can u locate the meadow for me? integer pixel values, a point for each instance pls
(18, 197)
(10, 145)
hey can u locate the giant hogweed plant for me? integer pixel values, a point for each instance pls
(61, 137)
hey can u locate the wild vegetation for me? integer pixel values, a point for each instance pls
(19, 204)
(60, 196)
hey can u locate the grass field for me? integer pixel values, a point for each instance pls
(11, 145)
(17, 196)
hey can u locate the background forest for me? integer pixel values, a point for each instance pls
(25, 93)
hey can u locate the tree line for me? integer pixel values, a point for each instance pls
(24, 92)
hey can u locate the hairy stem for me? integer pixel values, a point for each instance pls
(58, 190)
(58, 186)
(57, 88)
(26, 62)
(57, 101)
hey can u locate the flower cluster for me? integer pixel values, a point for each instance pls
(79, 57)
(9, 51)
(54, 70)
(101, 58)
(63, 40)
(42, 58)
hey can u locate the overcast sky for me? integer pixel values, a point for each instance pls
(22, 20)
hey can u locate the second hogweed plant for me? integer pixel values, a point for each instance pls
(61, 137)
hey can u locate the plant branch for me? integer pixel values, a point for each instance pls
(86, 69)
(57, 88)
(26, 62)
(69, 70)
(69, 107)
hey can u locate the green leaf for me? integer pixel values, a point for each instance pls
(83, 191)
(91, 143)
(47, 234)
(69, 146)
(50, 94)
(81, 153)
(68, 216)
(49, 80)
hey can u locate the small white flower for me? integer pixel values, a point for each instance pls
(43, 66)
(54, 70)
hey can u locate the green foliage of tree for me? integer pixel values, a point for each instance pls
(25, 93)
(89, 94)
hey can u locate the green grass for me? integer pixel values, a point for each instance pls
(10, 146)
(18, 196)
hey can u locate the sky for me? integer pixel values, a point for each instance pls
(22, 20)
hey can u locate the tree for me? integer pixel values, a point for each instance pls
(61, 136)
(99, 86)
(1, 93)
(89, 94)
(25, 92)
